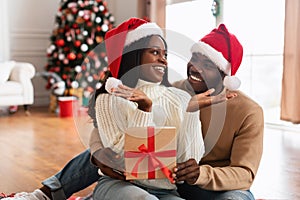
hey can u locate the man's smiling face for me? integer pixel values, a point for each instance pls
(203, 74)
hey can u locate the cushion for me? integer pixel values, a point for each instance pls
(5, 68)
(10, 88)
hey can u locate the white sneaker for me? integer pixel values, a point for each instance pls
(35, 195)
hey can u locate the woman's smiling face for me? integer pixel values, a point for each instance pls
(154, 60)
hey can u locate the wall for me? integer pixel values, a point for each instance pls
(29, 24)
(4, 54)
(122, 10)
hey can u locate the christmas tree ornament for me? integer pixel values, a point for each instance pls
(66, 61)
(60, 43)
(104, 27)
(84, 47)
(78, 68)
(90, 78)
(71, 56)
(61, 56)
(90, 41)
(98, 20)
(77, 43)
(74, 84)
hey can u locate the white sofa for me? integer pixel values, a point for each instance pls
(15, 83)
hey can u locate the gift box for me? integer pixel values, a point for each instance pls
(150, 152)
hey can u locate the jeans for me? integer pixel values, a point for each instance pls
(78, 174)
(108, 189)
(193, 192)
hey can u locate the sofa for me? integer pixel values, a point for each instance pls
(15, 84)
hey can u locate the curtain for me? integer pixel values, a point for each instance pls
(290, 97)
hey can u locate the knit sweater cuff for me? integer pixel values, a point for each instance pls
(203, 178)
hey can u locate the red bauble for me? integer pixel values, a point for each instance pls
(71, 56)
(56, 69)
(79, 55)
(98, 28)
(74, 10)
(77, 31)
(66, 49)
(77, 43)
(64, 76)
(89, 24)
(75, 26)
(60, 42)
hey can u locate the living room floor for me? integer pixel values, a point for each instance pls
(28, 156)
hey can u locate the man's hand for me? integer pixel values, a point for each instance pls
(205, 99)
(109, 163)
(187, 171)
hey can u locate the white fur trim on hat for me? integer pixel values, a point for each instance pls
(231, 82)
(214, 55)
(142, 31)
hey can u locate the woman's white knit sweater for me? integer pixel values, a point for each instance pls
(115, 114)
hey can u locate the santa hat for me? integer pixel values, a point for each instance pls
(123, 35)
(224, 49)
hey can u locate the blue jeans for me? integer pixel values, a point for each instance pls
(108, 189)
(77, 174)
(193, 192)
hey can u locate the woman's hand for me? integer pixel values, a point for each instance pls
(187, 171)
(134, 95)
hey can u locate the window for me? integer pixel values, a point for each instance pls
(259, 25)
(260, 28)
(186, 21)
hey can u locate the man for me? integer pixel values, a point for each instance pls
(232, 131)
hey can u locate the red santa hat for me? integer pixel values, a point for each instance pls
(224, 49)
(123, 35)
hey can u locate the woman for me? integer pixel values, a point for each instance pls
(137, 54)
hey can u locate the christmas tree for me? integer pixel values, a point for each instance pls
(76, 52)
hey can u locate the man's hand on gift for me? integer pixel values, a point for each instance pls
(187, 171)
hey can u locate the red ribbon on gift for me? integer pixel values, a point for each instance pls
(153, 161)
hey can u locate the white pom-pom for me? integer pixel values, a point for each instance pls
(231, 82)
(59, 88)
(112, 83)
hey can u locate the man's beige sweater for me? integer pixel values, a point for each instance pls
(233, 138)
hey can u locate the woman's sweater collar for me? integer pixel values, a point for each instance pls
(153, 90)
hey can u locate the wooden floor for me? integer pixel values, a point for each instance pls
(35, 147)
